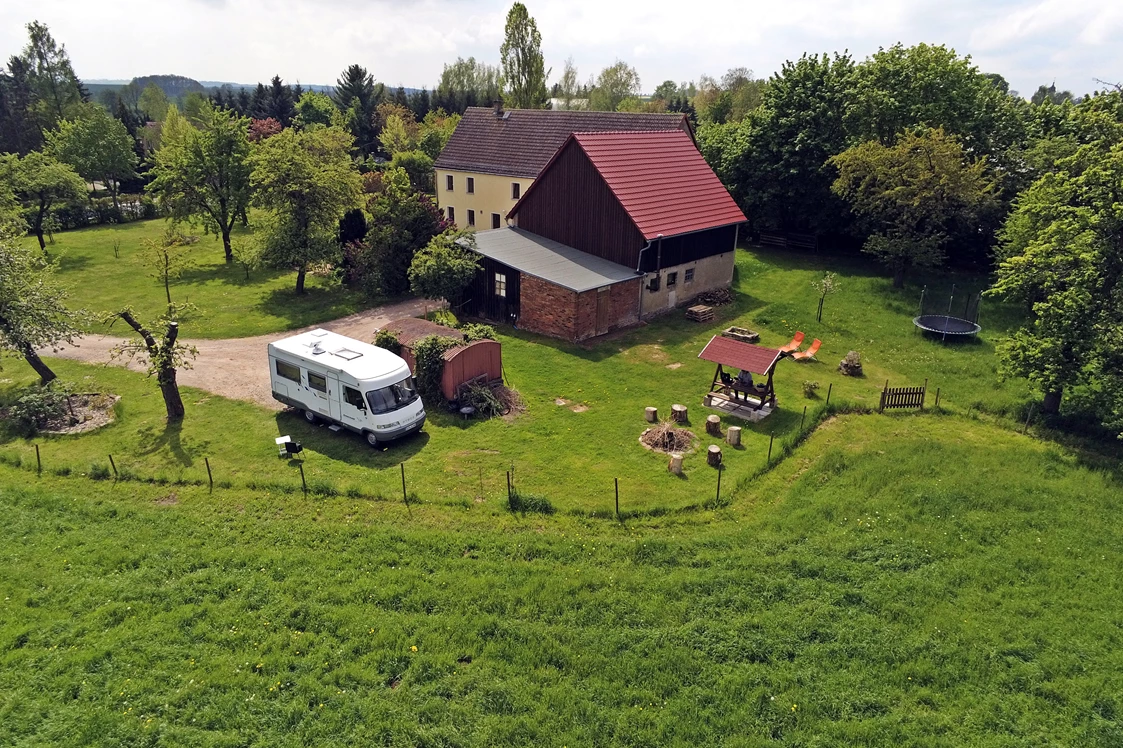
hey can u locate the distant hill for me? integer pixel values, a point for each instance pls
(175, 87)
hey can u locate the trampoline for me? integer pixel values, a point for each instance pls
(946, 324)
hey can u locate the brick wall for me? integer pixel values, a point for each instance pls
(547, 309)
(625, 303)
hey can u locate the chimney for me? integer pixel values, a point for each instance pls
(498, 109)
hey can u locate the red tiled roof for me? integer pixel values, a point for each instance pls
(522, 142)
(730, 352)
(661, 180)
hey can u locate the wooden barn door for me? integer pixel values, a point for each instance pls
(604, 309)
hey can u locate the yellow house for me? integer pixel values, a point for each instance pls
(495, 155)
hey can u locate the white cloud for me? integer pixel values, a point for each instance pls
(1028, 41)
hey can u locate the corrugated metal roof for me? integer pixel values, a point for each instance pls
(661, 180)
(549, 260)
(730, 352)
(522, 142)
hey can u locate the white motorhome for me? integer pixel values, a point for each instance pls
(347, 383)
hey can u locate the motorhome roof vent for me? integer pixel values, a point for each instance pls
(318, 333)
(348, 354)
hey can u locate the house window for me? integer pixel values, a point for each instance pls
(452, 214)
(689, 276)
(501, 285)
(471, 185)
(448, 183)
(354, 398)
(495, 220)
(471, 217)
(288, 371)
(516, 190)
(317, 382)
(672, 279)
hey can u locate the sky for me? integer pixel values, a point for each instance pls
(407, 42)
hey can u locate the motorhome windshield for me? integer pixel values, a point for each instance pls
(393, 397)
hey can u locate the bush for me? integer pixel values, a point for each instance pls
(429, 356)
(444, 317)
(480, 397)
(35, 409)
(474, 331)
(809, 388)
(518, 502)
(98, 471)
(389, 341)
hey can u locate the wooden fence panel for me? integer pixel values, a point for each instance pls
(903, 397)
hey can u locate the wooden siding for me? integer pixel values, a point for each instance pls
(480, 299)
(679, 250)
(571, 204)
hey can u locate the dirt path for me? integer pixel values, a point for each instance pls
(238, 367)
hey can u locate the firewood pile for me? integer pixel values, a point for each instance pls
(666, 437)
(716, 297)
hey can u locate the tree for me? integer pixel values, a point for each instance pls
(315, 110)
(418, 165)
(97, 145)
(197, 109)
(279, 102)
(666, 90)
(436, 130)
(614, 84)
(19, 126)
(1061, 255)
(913, 195)
(206, 174)
(445, 267)
(33, 314)
(356, 96)
(467, 83)
(304, 181)
(162, 357)
(39, 182)
(154, 102)
(58, 90)
(1052, 95)
(166, 259)
(263, 129)
(524, 71)
(402, 222)
(399, 132)
(569, 84)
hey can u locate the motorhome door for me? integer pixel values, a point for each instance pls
(333, 395)
(352, 407)
(318, 389)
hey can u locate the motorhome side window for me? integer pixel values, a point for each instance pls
(354, 398)
(317, 382)
(288, 371)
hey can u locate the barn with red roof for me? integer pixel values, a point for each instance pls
(618, 226)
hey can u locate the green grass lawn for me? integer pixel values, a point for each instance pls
(229, 305)
(572, 458)
(919, 580)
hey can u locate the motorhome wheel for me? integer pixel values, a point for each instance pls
(309, 416)
(372, 440)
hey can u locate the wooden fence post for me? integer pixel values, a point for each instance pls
(617, 482)
(38, 462)
(303, 483)
(114, 466)
(771, 439)
(209, 476)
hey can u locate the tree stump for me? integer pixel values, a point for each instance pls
(678, 413)
(651, 415)
(733, 436)
(713, 456)
(713, 425)
(675, 465)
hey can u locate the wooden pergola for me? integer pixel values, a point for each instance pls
(746, 357)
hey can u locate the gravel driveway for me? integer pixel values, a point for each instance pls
(239, 367)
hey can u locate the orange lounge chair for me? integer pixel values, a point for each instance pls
(794, 345)
(809, 353)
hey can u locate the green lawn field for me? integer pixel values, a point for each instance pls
(229, 305)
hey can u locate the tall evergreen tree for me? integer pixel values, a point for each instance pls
(357, 95)
(524, 71)
(52, 76)
(279, 103)
(19, 130)
(243, 103)
(259, 103)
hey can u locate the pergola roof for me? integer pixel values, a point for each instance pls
(730, 352)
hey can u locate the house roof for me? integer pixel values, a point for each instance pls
(521, 142)
(549, 260)
(660, 178)
(730, 352)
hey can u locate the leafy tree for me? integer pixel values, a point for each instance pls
(197, 109)
(913, 195)
(58, 90)
(39, 182)
(569, 85)
(614, 84)
(154, 102)
(166, 258)
(1061, 255)
(524, 70)
(262, 129)
(315, 110)
(162, 356)
(666, 90)
(418, 165)
(466, 83)
(97, 145)
(356, 96)
(399, 133)
(205, 174)
(402, 221)
(1052, 95)
(304, 181)
(436, 129)
(33, 314)
(445, 267)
